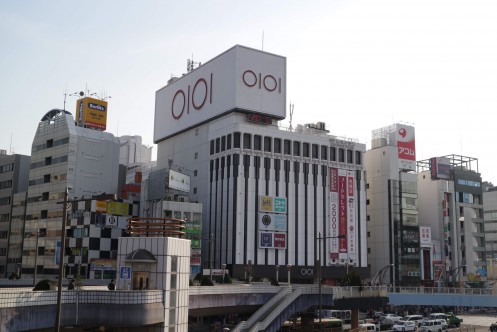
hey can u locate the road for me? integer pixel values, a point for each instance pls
(480, 321)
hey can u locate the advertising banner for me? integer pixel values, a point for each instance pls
(425, 236)
(272, 204)
(272, 240)
(92, 113)
(334, 231)
(118, 208)
(406, 146)
(179, 181)
(351, 217)
(342, 213)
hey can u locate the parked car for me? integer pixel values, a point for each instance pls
(393, 317)
(367, 327)
(433, 325)
(403, 326)
(418, 319)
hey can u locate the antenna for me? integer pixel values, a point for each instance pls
(291, 115)
(190, 64)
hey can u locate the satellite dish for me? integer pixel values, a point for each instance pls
(81, 93)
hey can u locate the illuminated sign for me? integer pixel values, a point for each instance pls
(440, 168)
(241, 78)
(92, 113)
(257, 118)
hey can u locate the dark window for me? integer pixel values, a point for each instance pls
(223, 143)
(46, 178)
(305, 150)
(212, 147)
(44, 196)
(228, 142)
(257, 142)
(286, 147)
(341, 155)
(236, 140)
(94, 243)
(44, 214)
(333, 154)
(247, 141)
(349, 156)
(315, 151)
(358, 158)
(48, 161)
(324, 152)
(218, 143)
(49, 143)
(277, 145)
(267, 144)
(296, 148)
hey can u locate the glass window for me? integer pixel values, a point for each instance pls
(341, 155)
(324, 152)
(315, 151)
(218, 145)
(358, 158)
(349, 156)
(296, 148)
(212, 147)
(228, 142)
(257, 142)
(267, 144)
(277, 145)
(236, 140)
(247, 141)
(333, 154)
(286, 147)
(305, 150)
(223, 143)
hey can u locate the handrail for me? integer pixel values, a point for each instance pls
(263, 310)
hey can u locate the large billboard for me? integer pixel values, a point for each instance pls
(272, 223)
(343, 216)
(178, 181)
(240, 78)
(440, 168)
(92, 113)
(406, 147)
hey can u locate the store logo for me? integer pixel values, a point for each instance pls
(194, 97)
(268, 82)
(96, 107)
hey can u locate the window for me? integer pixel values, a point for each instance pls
(257, 142)
(341, 155)
(48, 161)
(324, 154)
(349, 156)
(315, 151)
(333, 154)
(196, 155)
(49, 143)
(228, 142)
(368, 217)
(223, 143)
(277, 145)
(196, 132)
(305, 150)
(358, 158)
(236, 140)
(218, 145)
(267, 144)
(195, 190)
(296, 148)
(212, 147)
(5, 200)
(6, 168)
(6, 184)
(195, 173)
(286, 147)
(247, 141)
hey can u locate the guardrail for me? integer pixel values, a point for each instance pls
(10, 299)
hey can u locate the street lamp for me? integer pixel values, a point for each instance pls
(61, 259)
(319, 270)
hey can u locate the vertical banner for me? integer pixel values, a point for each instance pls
(334, 213)
(351, 236)
(342, 213)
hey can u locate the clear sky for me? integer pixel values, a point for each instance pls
(356, 65)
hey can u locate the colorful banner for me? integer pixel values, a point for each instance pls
(342, 213)
(351, 217)
(118, 208)
(334, 213)
(272, 222)
(271, 240)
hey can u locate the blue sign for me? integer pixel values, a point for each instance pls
(125, 272)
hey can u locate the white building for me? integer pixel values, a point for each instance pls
(64, 156)
(266, 192)
(392, 212)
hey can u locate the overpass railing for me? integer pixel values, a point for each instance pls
(442, 290)
(9, 299)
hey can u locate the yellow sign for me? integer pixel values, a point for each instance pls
(117, 208)
(266, 204)
(101, 206)
(92, 113)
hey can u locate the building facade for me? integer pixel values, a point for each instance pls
(271, 196)
(14, 170)
(392, 207)
(80, 159)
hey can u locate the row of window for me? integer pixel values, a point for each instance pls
(5, 200)
(50, 144)
(469, 183)
(286, 147)
(49, 161)
(7, 168)
(6, 184)
(4, 217)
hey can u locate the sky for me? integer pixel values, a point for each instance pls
(357, 65)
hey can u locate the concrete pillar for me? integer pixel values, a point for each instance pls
(354, 322)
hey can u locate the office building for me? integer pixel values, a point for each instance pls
(272, 197)
(392, 207)
(14, 170)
